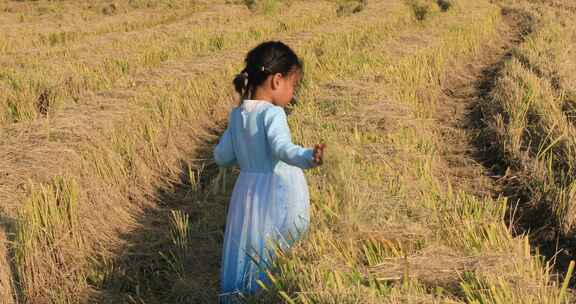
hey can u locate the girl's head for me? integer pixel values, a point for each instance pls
(272, 72)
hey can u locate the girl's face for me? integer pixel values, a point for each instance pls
(283, 87)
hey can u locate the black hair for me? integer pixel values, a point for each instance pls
(266, 59)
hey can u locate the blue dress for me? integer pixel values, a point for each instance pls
(269, 204)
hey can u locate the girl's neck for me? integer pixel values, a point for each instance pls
(263, 95)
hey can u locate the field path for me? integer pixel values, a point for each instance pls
(475, 162)
(473, 144)
(471, 163)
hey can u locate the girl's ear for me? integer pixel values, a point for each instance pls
(276, 79)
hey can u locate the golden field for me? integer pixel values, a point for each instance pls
(449, 175)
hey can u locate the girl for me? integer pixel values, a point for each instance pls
(269, 204)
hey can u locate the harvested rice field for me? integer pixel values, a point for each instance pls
(449, 174)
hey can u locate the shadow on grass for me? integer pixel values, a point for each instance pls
(154, 267)
(8, 225)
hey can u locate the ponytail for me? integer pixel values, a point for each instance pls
(241, 82)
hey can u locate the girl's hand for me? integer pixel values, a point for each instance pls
(319, 153)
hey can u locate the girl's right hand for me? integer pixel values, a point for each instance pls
(319, 153)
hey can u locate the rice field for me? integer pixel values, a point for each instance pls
(448, 176)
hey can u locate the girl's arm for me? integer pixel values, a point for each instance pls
(224, 152)
(280, 140)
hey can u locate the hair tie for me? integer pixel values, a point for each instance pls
(245, 76)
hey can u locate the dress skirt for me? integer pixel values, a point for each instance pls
(267, 210)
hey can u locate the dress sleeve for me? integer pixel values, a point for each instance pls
(224, 151)
(280, 140)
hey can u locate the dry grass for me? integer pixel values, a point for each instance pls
(115, 58)
(52, 24)
(120, 165)
(342, 261)
(531, 114)
(139, 207)
(47, 238)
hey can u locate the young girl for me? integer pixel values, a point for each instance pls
(269, 204)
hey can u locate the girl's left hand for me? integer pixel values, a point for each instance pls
(319, 153)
